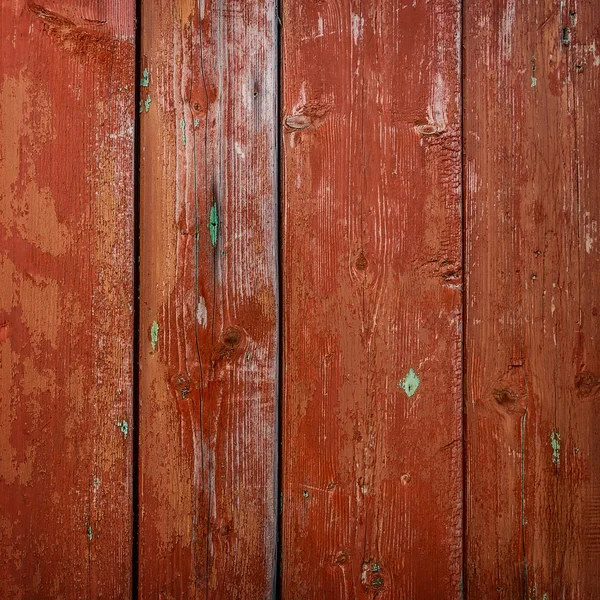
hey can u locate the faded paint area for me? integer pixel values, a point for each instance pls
(201, 314)
(66, 236)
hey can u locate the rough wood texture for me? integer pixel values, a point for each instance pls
(66, 300)
(208, 300)
(372, 301)
(532, 100)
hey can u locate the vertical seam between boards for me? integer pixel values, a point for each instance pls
(278, 184)
(463, 330)
(135, 495)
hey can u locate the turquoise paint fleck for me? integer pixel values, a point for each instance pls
(196, 122)
(410, 383)
(145, 80)
(533, 81)
(213, 224)
(145, 104)
(183, 137)
(305, 494)
(555, 441)
(154, 335)
(124, 427)
(90, 533)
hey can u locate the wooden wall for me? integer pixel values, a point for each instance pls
(300, 299)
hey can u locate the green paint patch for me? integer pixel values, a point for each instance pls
(410, 383)
(145, 80)
(154, 335)
(90, 533)
(555, 442)
(533, 81)
(213, 224)
(145, 104)
(183, 136)
(305, 493)
(124, 427)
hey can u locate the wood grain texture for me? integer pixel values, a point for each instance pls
(208, 348)
(532, 73)
(372, 300)
(66, 299)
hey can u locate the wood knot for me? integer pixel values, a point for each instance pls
(361, 261)
(587, 384)
(428, 129)
(297, 122)
(182, 384)
(232, 343)
(232, 337)
(504, 396)
(225, 529)
(342, 558)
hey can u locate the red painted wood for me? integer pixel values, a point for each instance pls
(66, 300)
(532, 368)
(208, 300)
(372, 299)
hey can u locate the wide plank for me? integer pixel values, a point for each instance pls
(208, 299)
(532, 174)
(67, 73)
(372, 304)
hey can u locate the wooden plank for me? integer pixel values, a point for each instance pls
(66, 298)
(372, 448)
(533, 368)
(208, 345)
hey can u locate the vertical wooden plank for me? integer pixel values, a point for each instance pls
(372, 300)
(533, 368)
(208, 299)
(66, 298)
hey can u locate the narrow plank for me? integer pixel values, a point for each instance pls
(533, 368)
(372, 453)
(66, 298)
(208, 349)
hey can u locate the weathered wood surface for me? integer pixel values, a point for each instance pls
(372, 300)
(208, 300)
(532, 175)
(66, 300)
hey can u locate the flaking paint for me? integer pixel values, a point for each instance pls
(410, 383)
(213, 224)
(154, 335)
(555, 442)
